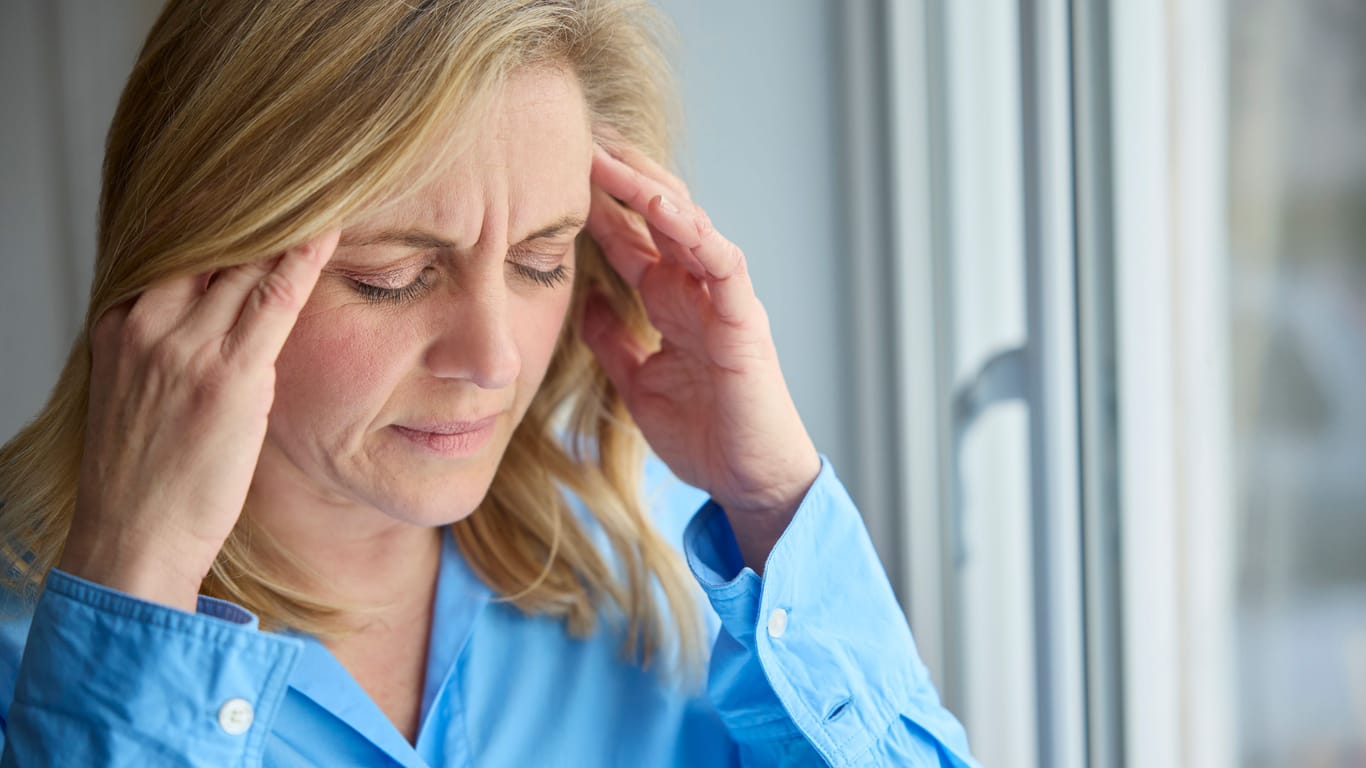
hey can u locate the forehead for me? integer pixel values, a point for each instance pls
(526, 166)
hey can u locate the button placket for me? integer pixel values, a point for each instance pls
(777, 623)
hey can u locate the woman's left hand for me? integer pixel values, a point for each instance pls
(712, 401)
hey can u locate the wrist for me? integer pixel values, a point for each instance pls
(759, 520)
(778, 500)
(144, 572)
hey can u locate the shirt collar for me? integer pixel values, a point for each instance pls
(460, 598)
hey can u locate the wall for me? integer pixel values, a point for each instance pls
(62, 66)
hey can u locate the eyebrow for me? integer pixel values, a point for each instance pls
(422, 239)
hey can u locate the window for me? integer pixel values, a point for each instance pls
(1297, 280)
(1131, 311)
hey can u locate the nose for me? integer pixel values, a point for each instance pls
(474, 337)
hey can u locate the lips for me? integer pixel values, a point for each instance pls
(451, 427)
(450, 438)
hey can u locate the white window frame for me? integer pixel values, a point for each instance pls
(927, 387)
(1123, 200)
(1173, 337)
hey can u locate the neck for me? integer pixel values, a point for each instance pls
(379, 568)
(382, 571)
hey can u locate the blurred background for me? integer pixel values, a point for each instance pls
(1073, 292)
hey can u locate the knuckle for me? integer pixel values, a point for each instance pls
(208, 391)
(274, 291)
(703, 224)
(164, 355)
(136, 331)
(736, 258)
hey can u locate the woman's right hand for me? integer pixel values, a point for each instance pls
(181, 386)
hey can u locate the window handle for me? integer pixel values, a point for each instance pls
(1003, 378)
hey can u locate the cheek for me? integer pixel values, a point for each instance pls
(329, 368)
(539, 328)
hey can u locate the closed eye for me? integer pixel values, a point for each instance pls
(548, 278)
(380, 294)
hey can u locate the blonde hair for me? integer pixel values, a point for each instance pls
(246, 128)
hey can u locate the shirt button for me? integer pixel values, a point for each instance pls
(777, 623)
(235, 716)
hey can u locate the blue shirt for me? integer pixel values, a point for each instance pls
(811, 664)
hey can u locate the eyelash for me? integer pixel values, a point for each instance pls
(403, 295)
(549, 279)
(415, 289)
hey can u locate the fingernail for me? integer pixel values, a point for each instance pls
(668, 206)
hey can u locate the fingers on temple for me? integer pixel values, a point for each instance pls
(162, 305)
(674, 251)
(648, 167)
(270, 305)
(721, 262)
(624, 242)
(625, 182)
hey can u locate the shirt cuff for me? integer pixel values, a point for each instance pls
(105, 673)
(823, 623)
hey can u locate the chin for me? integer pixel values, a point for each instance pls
(431, 505)
(427, 515)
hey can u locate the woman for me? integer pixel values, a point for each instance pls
(346, 469)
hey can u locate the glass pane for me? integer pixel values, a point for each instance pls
(1297, 192)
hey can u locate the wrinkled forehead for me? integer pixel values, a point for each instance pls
(526, 163)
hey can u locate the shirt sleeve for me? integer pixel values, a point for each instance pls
(814, 663)
(108, 679)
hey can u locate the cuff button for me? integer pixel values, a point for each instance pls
(235, 716)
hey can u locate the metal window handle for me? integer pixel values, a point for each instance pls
(1003, 378)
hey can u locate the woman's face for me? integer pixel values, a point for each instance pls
(431, 328)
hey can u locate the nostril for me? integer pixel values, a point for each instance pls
(837, 709)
